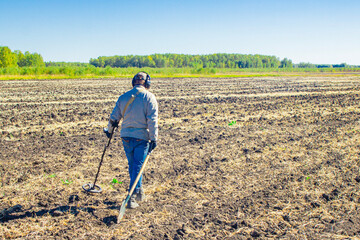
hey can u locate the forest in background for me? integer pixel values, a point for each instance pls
(217, 60)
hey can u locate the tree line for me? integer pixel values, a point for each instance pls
(171, 60)
(220, 60)
(311, 65)
(16, 58)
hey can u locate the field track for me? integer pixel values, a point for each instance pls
(266, 158)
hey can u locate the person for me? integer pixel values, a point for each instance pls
(139, 129)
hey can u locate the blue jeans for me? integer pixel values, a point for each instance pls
(136, 151)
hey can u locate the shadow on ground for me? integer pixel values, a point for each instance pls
(17, 212)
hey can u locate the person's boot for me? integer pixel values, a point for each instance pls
(132, 202)
(140, 196)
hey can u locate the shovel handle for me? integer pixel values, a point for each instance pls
(123, 205)
(139, 175)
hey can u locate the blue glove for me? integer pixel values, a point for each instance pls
(152, 146)
(106, 131)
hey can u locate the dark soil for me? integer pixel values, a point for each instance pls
(272, 158)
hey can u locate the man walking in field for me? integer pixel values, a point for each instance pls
(139, 129)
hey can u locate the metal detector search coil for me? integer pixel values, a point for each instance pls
(91, 188)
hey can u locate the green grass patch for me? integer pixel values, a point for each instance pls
(89, 72)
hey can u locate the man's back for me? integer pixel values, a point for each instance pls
(140, 118)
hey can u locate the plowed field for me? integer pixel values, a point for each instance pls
(237, 159)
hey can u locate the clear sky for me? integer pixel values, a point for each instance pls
(315, 31)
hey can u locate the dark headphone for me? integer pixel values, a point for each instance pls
(147, 81)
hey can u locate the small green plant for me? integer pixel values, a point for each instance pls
(232, 123)
(52, 176)
(67, 182)
(114, 181)
(308, 177)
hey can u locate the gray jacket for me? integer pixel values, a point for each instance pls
(141, 117)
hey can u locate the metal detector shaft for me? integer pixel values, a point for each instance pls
(102, 157)
(123, 205)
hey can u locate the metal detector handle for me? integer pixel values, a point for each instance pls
(139, 174)
(111, 135)
(102, 157)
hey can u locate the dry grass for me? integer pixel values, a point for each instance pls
(287, 169)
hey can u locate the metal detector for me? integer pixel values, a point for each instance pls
(123, 204)
(92, 187)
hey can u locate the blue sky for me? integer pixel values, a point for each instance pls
(315, 31)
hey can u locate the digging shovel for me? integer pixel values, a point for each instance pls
(123, 205)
